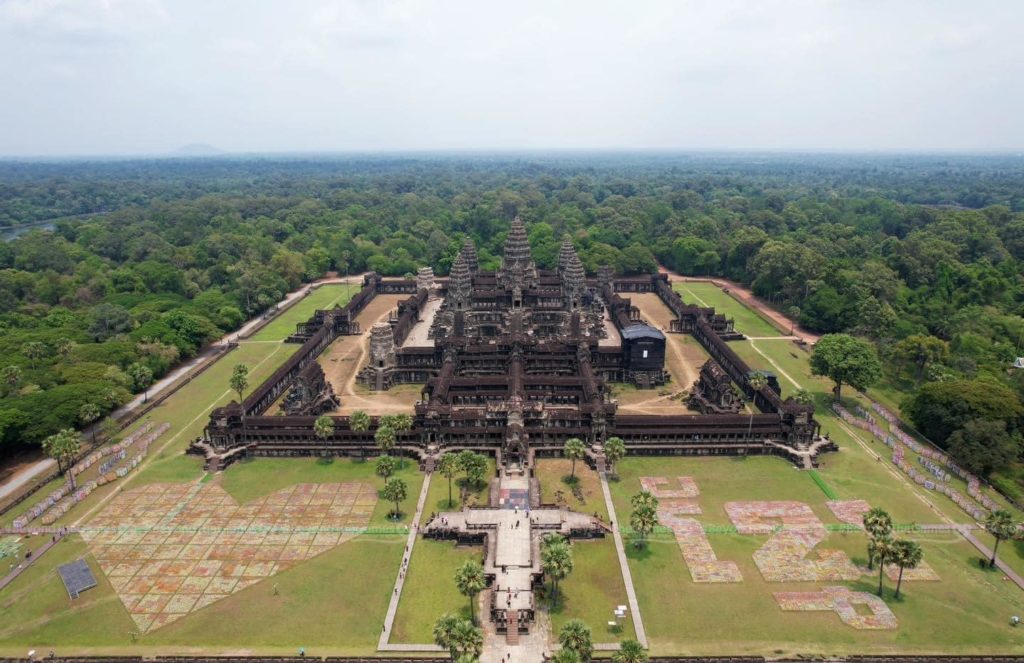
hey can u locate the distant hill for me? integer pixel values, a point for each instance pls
(197, 150)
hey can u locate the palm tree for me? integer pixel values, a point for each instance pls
(878, 525)
(88, 413)
(555, 561)
(565, 656)
(803, 397)
(643, 520)
(448, 466)
(1000, 525)
(757, 381)
(401, 423)
(64, 346)
(576, 637)
(644, 499)
(614, 450)
(239, 382)
(11, 376)
(444, 632)
(395, 491)
(470, 580)
(359, 421)
(33, 351)
(323, 427)
(906, 555)
(386, 466)
(884, 551)
(62, 447)
(385, 439)
(469, 640)
(574, 450)
(630, 651)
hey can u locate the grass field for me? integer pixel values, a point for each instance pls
(437, 494)
(430, 590)
(552, 474)
(325, 297)
(747, 611)
(748, 321)
(592, 591)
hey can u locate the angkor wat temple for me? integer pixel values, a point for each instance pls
(514, 363)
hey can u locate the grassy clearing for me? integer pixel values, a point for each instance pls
(324, 297)
(430, 591)
(592, 591)
(253, 478)
(555, 487)
(748, 321)
(462, 495)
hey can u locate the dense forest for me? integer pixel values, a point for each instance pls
(149, 260)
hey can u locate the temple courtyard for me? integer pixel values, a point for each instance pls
(753, 556)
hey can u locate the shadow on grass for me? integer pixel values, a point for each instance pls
(638, 553)
(325, 460)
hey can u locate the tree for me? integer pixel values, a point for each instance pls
(576, 637)
(630, 651)
(920, 351)
(470, 580)
(33, 351)
(574, 450)
(239, 380)
(757, 381)
(109, 320)
(395, 491)
(878, 525)
(883, 551)
(141, 377)
(88, 413)
(448, 466)
(614, 451)
(359, 421)
(555, 560)
(940, 408)
(846, 360)
(469, 641)
(110, 428)
(1000, 525)
(984, 446)
(644, 517)
(323, 427)
(11, 377)
(62, 447)
(906, 555)
(400, 423)
(474, 465)
(386, 466)
(803, 397)
(794, 314)
(565, 656)
(385, 439)
(444, 633)
(64, 346)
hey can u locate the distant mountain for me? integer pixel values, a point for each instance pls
(197, 150)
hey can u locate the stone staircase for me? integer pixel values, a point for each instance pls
(512, 636)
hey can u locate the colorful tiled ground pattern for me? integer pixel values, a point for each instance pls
(842, 601)
(169, 549)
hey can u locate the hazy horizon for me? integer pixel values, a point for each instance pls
(143, 78)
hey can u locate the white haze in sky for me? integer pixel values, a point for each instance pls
(148, 76)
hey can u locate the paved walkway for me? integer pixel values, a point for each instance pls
(965, 531)
(396, 595)
(627, 577)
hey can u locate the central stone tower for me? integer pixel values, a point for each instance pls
(518, 271)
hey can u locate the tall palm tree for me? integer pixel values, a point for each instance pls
(906, 555)
(469, 640)
(444, 632)
(884, 551)
(87, 414)
(470, 580)
(630, 651)
(574, 450)
(878, 525)
(323, 427)
(643, 520)
(576, 636)
(757, 381)
(565, 656)
(614, 451)
(556, 561)
(448, 466)
(359, 421)
(385, 439)
(1000, 525)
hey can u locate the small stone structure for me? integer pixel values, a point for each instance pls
(311, 393)
(713, 392)
(425, 278)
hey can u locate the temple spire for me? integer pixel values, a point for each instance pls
(518, 270)
(469, 255)
(460, 283)
(565, 253)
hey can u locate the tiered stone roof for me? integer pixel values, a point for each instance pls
(565, 253)
(517, 267)
(469, 254)
(574, 278)
(460, 281)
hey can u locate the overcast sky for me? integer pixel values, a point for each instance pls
(149, 76)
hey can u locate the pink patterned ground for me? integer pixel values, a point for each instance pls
(850, 512)
(170, 549)
(688, 487)
(795, 532)
(842, 601)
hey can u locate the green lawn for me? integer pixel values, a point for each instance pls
(430, 591)
(324, 297)
(553, 473)
(462, 496)
(748, 321)
(252, 478)
(592, 591)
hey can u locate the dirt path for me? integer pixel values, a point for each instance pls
(344, 358)
(747, 298)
